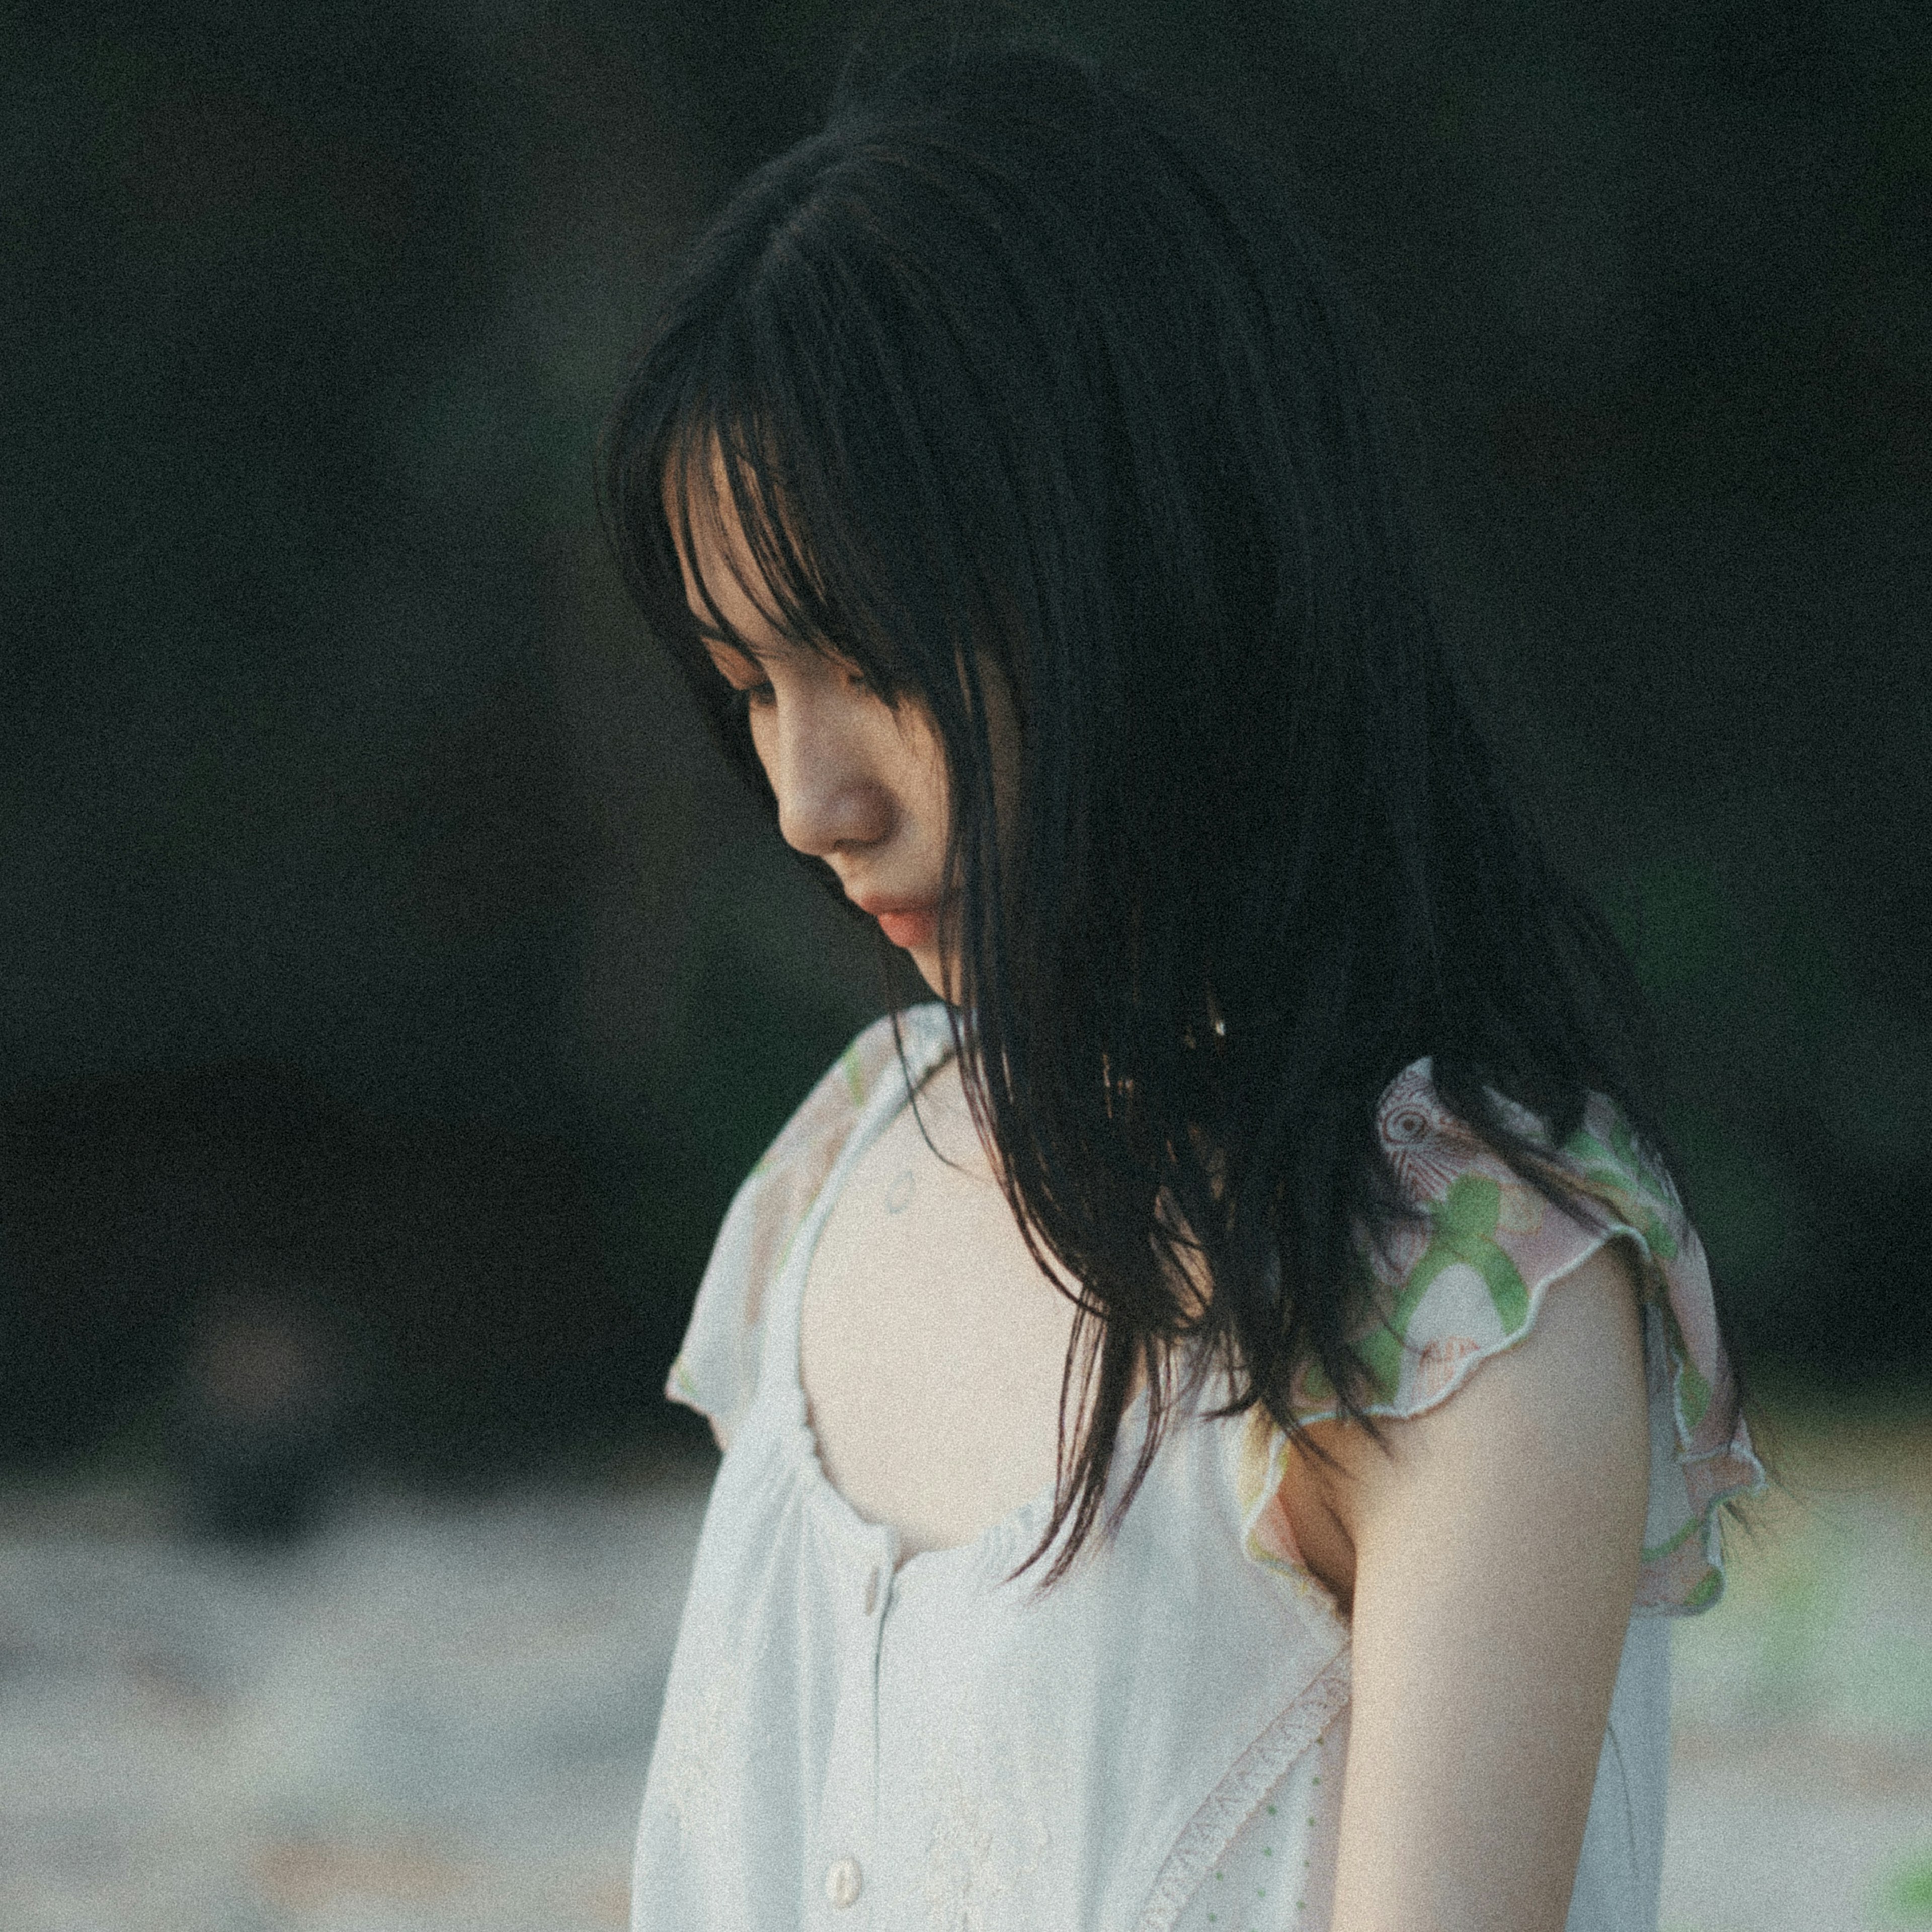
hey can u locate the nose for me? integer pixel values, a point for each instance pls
(831, 797)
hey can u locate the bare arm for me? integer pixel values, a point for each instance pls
(1494, 1555)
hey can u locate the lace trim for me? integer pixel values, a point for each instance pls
(1255, 1773)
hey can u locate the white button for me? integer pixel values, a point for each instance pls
(841, 1882)
(871, 1593)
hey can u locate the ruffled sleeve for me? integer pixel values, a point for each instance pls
(717, 1367)
(1466, 1281)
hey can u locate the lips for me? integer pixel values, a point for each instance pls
(905, 923)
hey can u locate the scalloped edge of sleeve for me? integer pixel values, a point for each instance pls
(1703, 1522)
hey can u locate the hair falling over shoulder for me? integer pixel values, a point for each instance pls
(1014, 366)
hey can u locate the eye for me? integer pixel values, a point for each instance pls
(746, 698)
(756, 697)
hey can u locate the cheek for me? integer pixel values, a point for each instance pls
(758, 728)
(926, 780)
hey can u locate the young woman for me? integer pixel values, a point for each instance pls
(1215, 1404)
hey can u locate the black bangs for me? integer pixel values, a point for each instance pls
(725, 504)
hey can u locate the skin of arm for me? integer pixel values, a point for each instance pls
(1491, 1556)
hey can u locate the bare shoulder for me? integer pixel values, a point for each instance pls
(1557, 1425)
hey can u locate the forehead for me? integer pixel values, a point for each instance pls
(751, 574)
(725, 585)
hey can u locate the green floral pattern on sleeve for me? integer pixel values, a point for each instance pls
(1464, 1281)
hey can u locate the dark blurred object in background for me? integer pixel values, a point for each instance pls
(258, 1415)
(373, 910)
(442, 1289)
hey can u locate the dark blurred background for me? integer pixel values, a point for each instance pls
(392, 988)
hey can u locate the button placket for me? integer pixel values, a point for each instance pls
(841, 1892)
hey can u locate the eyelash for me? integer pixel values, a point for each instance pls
(745, 699)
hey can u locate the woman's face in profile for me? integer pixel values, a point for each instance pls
(859, 783)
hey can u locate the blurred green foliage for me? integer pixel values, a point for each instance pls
(1909, 1895)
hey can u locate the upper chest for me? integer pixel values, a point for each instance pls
(932, 1348)
(931, 1345)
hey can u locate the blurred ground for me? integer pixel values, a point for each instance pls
(1801, 1791)
(435, 1714)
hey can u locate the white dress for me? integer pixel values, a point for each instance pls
(1158, 1742)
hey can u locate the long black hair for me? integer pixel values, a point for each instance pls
(1015, 366)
